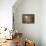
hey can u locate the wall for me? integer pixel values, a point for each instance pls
(43, 22)
(6, 13)
(30, 31)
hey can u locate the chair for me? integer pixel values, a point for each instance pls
(29, 43)
(18, 39)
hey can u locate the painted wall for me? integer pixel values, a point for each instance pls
(43, 22)
(30, 31)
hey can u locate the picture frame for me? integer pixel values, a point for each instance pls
(28, 18)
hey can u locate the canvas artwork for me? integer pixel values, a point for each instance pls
(28, 19)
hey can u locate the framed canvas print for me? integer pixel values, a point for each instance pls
(28, 18)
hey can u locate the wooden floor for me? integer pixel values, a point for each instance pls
(9, 43)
